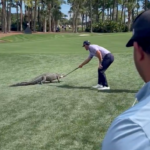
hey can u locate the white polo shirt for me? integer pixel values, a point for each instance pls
(94, 48)
(131, 129)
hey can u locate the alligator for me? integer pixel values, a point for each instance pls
(43, 78)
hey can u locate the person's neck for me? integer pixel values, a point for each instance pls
(146, 68)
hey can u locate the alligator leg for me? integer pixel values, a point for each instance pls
(58, 79)
(43, 80)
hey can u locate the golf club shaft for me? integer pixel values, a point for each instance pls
(71, 72)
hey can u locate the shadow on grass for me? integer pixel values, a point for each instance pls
(104, 91)
(74, 87)
(119, 91)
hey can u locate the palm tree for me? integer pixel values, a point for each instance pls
(76, 6)
(91, 16)
(21, 15)
(35, 14)
(28, 6)
(4, 22)
(131, 4)
(49, 4)
(123, 9)
(9, 5)
(114, 7)
(137, 7)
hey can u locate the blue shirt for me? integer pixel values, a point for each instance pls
(94, 48)
(131, 129)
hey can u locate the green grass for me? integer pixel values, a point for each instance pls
(61, 116)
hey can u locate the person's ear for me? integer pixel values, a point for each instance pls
(139, 51)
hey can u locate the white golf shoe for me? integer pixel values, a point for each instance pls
(104, 88)
(97, 86)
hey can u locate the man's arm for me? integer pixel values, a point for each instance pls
(99, 56)
(85, 62)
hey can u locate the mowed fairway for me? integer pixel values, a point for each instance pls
(69, 115)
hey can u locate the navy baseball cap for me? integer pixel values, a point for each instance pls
(86, 43)
(141, 27)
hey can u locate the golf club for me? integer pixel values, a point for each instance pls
(71, 72)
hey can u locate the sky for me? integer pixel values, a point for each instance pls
(65, 8)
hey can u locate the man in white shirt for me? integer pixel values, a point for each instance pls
(131, 129)
(105, 59)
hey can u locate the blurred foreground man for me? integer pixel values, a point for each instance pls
(131, 129)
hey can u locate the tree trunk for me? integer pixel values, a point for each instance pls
(52, 24)
(117, 11)
(82, 15)
(39, 23)
(121, 18)
(31, 13)
(103, 14)
(132, 14)
(49, 18)
(91, 16)
(97, 12)
(44, 24)
(35, 15)
(107, 13)
(21, 28)
(124, 15)
(76, 30)
(73, 22)
(113, 12)
(4, 16)
(110, 13)
(86, 19)
(28, 16)
(103, 10)
(9, 22)
(7, 17)
(17, 18)
(129, 19)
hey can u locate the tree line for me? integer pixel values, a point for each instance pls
(91, 15)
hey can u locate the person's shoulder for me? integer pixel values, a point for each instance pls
(121, 121)
(134, 119)
(92, 45)
(131, 125)
(102, 48)
(123, 130)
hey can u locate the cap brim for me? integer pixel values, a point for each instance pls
(130, 42)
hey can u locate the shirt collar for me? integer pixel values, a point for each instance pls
(143, 92)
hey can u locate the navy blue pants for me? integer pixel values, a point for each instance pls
(107, 60)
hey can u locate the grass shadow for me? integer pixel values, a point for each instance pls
(119, 91)
(75, 87)
(106, 91)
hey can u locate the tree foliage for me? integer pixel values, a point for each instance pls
(46, 15)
